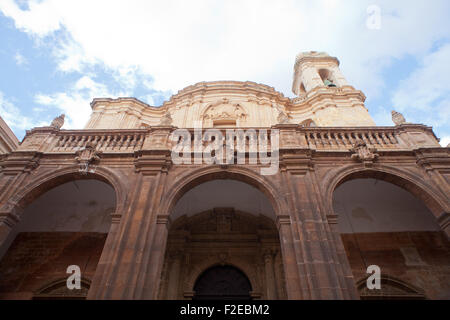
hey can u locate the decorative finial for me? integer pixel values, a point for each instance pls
(397, 118)
(58, 122)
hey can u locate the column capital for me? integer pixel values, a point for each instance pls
(9, 218)
(164, 219)
(283, 220)
(332, 218)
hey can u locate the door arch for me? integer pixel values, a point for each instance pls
(224, 283)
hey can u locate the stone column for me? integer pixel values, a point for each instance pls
(99, 284)
(444, 222)
(155, 260)
(349, 286)
(174, 276)
(7, 222)
(293, 287)
(271, 286)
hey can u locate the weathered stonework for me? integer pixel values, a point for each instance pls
(296, 254)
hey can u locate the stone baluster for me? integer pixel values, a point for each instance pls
(80, 142)
(385, 139)
(74, 142)
(391, 137)
(101, 142)
(108, 142)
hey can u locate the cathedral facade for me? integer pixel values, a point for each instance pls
(228, 190)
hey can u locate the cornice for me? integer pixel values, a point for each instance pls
(196, 92)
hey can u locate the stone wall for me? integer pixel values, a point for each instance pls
(36, 259)
(421, 259)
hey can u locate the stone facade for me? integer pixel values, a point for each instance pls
(246, 104)
(8, 141)
(296, 251)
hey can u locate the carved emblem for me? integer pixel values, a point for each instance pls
(166, 120)
(223, 257)
(223, 110)
(362, 152)
(282, 118)
(86, 157)
(397, 118)
(58, 122)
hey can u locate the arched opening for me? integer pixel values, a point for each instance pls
(63, 222)
(302, 89)
(327, 78)
(382, 223)
(57, 290)
(390, 289)
(308, 123)
(222, 283)
(222, 221)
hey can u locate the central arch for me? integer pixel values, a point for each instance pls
(202, 175)
(223, 216)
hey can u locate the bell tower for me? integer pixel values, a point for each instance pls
(334, 103)
(314, 69)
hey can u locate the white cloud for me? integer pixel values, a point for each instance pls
(182, 42)
(20, 59)
(75, 103)
(167, 45)
(148, 99)
(425, 94)
(383, 117)
(13, 116)
(41, 19)
(445, 141)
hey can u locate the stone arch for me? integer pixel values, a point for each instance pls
(48, 180)
(406, 180)
(391, 288)
(211, 262)
(326, 75)
(308, 123)
(57, 289)
(197, 177)
(302, 89)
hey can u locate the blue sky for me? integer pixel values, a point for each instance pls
(57, 55)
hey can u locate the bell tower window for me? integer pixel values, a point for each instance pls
(302, 88)
(327, 78)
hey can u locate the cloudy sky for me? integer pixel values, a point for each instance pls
(57, 55)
